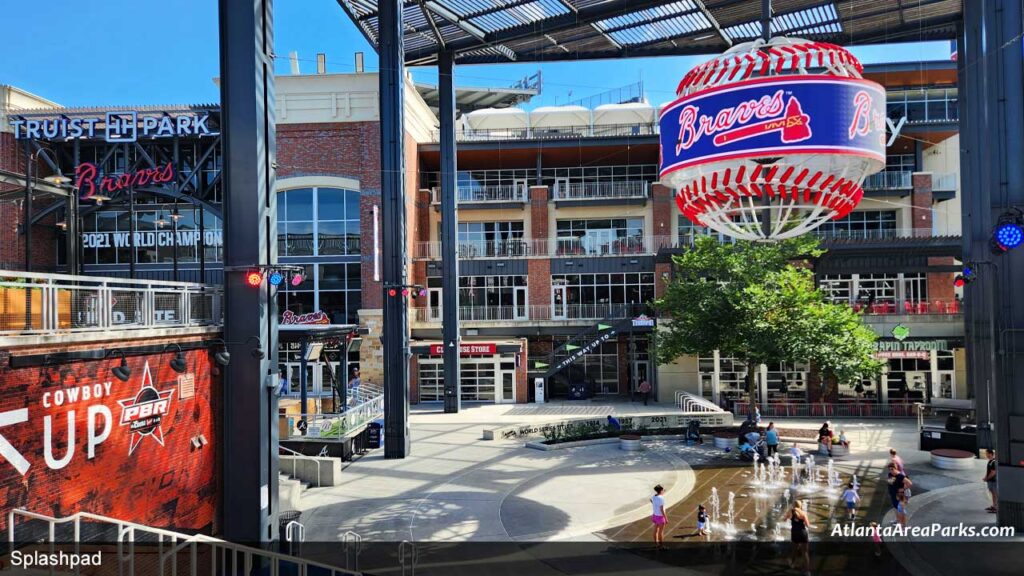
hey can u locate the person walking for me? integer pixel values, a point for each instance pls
(990, 479)
(898, 483)
(852, 498)
(771, 439)
(645, 389)
(658, 516)
(799, 525)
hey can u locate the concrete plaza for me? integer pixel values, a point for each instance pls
(456, 487)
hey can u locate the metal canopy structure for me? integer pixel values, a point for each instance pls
(469, 98)
(496, 31)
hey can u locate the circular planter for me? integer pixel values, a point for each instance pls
(950, 459)
(725, 441)
(838, 451)
(629, 442)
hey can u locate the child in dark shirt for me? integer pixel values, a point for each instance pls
(702, 521)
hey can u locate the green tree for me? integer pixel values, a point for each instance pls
(757, 302)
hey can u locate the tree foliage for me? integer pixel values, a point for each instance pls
(757, 302)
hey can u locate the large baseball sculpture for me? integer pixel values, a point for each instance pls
(786, 128)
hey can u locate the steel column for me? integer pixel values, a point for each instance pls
(449, 235)
(395, 336)
(29, 164)
(766, 35)
(250, 238)
(303, 382)
(991, 97)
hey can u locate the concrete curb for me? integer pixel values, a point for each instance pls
(538, 445)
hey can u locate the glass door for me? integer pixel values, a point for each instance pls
(519, 304)
(559, 304)
(434, 303)
(506, 392)
(522, 189)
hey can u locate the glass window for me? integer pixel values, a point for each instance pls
(606, 295)
(318, 222)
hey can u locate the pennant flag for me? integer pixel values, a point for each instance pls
(602, 327)
(570, 347)
(540, 365)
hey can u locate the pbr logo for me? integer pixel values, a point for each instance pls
(144, 413)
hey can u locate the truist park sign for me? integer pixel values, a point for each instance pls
(115, 126)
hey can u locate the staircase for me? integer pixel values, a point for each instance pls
(290, 491)
(580, 345)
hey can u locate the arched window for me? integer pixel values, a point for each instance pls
(318, 221)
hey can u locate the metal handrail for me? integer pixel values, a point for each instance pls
(221, 550)
(611, 189)
(41, 303)
(299, 455)
(889, 180)
(343, 422)
(691, 403)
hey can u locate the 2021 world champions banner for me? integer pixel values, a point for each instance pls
(766, 116)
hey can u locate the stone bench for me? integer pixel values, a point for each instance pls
(952, 459)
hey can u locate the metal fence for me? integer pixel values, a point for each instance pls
(534, 312)
(555, 132)
(830, 410)
(34, 303)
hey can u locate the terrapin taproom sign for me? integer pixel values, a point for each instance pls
(115, 126)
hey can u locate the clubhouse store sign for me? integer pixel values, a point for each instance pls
(151, 239)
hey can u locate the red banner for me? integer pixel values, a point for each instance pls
(75, 438)
(467, 349)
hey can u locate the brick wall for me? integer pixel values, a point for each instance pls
(12, 241)
(539, 281)
(664, 210)
(662, 276)
(523, 383)
(344, 148)
(539, 211)
(921, 203)
(131, 476)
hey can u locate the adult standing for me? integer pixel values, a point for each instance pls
(825, 437)
(282, 382)
(771, 438)
(895, 459)
(645, 389)
(799, 536)
(990, 479)
(658, 516)
(353, 386)
(898, 483)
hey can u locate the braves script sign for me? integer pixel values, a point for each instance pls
(89, 181)
(766, 116)
(318, 317)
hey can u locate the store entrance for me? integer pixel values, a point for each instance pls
(318, 378)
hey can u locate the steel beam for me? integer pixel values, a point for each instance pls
(992, 141)
(249, 447)
(449, 236)
(395, 337)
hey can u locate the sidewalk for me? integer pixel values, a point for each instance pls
(945, 556)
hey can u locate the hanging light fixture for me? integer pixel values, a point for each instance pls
(175, 215)
(122, 372)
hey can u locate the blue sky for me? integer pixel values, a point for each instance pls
(147, 52)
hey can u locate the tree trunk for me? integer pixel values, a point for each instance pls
(751, 387)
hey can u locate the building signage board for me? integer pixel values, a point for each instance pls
(643, 321)
(908, 349)
(151, 239)
(765, 116)
(115, 126)
(467, 349)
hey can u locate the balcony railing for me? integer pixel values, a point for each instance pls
(550, 247)
(945, 182)
(889, 180)
(33, 303)
(880, 234)
(489, 193)
(938, 307)
(555, 132)
(600, 190)
(533, 313)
